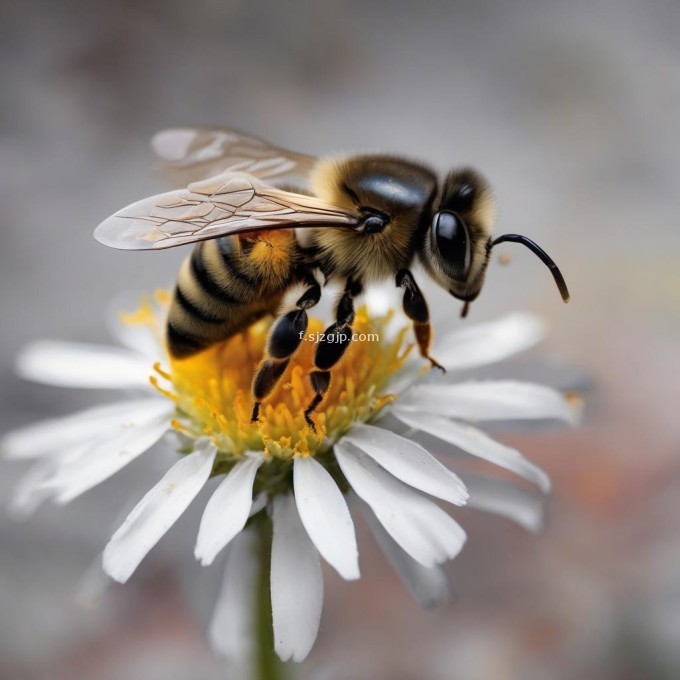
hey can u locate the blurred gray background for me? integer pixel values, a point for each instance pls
(570, 109)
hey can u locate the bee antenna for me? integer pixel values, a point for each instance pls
(544, 257)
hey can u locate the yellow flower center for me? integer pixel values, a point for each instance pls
(212, 390)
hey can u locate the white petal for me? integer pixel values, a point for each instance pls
(428, 585)
(490, 400)
(140, 340)
(70, 364)
(259, 503)
(380, 299)
(296, 583)
(92, 586)
(56, 434)
(476, 443)
(103, 459)
(227, 511)
(409, 462)
(506, 499)
(232, 625)
(486, 343)
(420, 527)
(325, 516)
(404, 379)
(160, 508)
(33, 489)
(29, 492)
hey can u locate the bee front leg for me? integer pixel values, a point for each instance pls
(415, 308)
(332, 347)
(285, 338)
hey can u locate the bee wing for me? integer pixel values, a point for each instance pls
(230, 203)
(191, 154)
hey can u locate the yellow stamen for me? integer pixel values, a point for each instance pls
(166, 393)
(212, 390)
(164, 374)
(150, 312)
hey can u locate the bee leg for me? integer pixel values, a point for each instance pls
(415, 308)
(268, 374)
(331, 348)
(284, 339)
(313, 293)
(321, 381)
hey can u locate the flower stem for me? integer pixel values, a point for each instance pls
(267, 665)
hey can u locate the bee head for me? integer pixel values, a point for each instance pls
(458, 246)
(456, 251)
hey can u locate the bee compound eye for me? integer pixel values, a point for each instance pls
(452, 242)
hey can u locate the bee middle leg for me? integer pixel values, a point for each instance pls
(415, 308)
(332, 347)
(285, 338)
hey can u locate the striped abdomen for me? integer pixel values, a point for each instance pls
(227, 284)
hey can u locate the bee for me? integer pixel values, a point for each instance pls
(265, 219)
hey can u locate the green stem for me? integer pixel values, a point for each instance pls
(267, 665)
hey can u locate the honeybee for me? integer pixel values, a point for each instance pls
(265, 220)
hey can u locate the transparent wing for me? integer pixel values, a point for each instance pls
(190, 154)
(231, 203)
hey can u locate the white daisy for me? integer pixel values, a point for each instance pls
(280, 473)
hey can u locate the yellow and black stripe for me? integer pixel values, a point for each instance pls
(227, 284)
